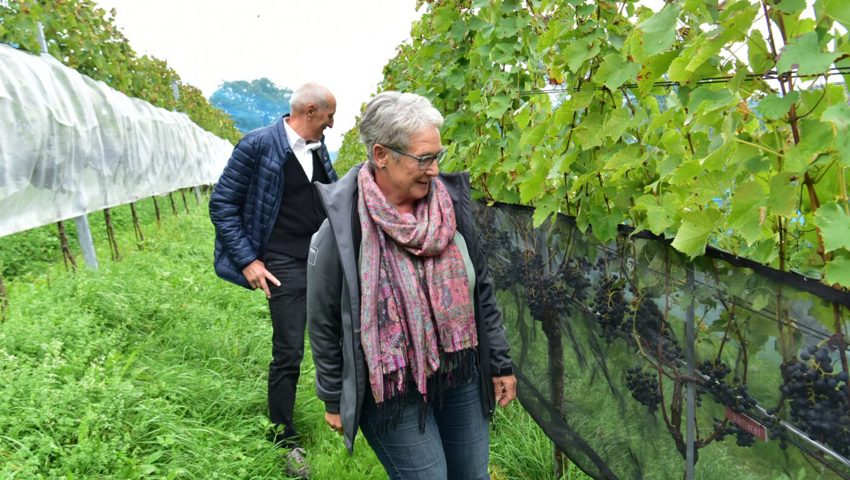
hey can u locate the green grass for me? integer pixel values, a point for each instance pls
(151, 367)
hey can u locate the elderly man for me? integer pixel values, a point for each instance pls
(265, 209)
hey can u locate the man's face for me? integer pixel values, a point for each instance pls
(320, 119)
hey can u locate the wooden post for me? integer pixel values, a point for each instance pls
(158, 215)
(173, 205)
(551, 326)
(4, 300)
(690, 395)
(185, 205)
(110, 234)
(137, 227)
(67, 256)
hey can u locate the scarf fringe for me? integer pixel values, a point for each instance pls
(456, 368)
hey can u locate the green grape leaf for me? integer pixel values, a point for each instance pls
(694, 232)
(706, 99)
(842, 144)
(746, 215)
(783, 196)
(603, 224)
(533, 136)
(838, 115)
(549, 205)
(618, 121)
(774, 107)
(791, 7)
(817, 139)
(615, 71)
(838, 10)
(757, 53)
(498, 106)
(838, 271)
(805, 52)
(587, 134)
(659, 30)
(716, 160)
(760, 301)
(575, 53)
(658, 217)
(834, 224)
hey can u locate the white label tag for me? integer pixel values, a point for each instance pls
(311, 257)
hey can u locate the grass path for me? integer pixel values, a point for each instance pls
(152, 367)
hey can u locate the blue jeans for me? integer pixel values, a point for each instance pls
(455, 445)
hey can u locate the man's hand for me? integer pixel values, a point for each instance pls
(505, 388)
(334, 421)
(258, 276)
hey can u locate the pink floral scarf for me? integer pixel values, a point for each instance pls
(415, 305)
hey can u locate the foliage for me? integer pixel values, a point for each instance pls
(351, 153)
(618, 114)
(85, 38)
(252, 104)
(152, 367)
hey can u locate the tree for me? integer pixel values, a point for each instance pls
(252, 104)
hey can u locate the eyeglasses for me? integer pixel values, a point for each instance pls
(424, 161)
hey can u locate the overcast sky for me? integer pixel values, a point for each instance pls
(342, 44)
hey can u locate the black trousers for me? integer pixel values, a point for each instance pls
(288, 308)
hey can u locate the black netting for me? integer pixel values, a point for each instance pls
(598, 335)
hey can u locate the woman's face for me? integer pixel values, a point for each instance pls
(403, 181)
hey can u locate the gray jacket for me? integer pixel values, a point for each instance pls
(333, 303)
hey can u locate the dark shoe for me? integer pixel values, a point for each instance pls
(296, 463)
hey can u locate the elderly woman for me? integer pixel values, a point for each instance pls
(406, 337)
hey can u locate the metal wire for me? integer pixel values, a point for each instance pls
(770, 75)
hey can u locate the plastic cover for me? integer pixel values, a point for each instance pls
(70, 145)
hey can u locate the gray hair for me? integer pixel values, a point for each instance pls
(307, 94)
(392, 117)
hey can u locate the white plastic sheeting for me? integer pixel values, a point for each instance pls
(70, 145)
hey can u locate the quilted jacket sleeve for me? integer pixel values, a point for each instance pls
(228, 200)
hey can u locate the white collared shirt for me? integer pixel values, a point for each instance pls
(303, 151)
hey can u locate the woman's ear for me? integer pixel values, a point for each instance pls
(379, 154)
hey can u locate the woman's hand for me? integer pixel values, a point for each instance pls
(334, 421)
(505, 388)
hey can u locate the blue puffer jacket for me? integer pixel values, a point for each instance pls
(246, 200)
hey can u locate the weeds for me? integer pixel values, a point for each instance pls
(152, 367)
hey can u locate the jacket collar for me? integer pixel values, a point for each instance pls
(280, 140)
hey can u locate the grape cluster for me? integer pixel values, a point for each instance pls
(573, 276)
(723, 429)
(775, 430)
(648, 322)
(715, 369)
(545, 296)
(610, 307)
(644, 388)
(734, 395)
(819, 400)
(504, 261)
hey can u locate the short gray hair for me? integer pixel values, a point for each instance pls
(307, 94)
(392, 117)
